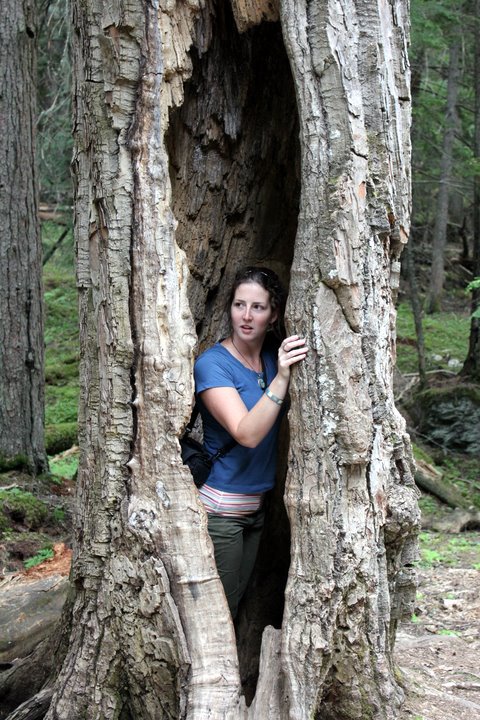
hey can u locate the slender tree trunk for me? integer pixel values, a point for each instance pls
(417, 313)
(21, 297)
(433, 299)
(187, 164)
(471, 366)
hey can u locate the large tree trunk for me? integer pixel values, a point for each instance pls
(21, 296)
(187, 158)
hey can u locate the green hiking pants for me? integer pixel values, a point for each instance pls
(236, 541)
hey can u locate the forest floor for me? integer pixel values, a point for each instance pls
(438, 652)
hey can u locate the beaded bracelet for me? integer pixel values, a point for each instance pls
(273, 397)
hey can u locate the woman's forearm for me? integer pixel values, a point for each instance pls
(255, 424)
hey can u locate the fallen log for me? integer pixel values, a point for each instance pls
(35, 708)
(431, 480)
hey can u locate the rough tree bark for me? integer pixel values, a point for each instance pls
(197, 149)
(21, 295)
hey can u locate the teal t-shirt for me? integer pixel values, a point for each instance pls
(242, 470)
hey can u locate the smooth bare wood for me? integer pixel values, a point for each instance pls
(248, 13)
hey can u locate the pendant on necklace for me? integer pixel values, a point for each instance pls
(261, 381)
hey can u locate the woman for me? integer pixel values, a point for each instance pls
(240, 387)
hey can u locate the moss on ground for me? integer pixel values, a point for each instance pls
(446, 339)
(450, 550)
(61, 336)
(60, 437)
(19, 507)
(17, 462)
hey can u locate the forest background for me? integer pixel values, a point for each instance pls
(438, 349)
(438, 366)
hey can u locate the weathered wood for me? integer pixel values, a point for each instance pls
(187, 158)
(29, 610)
(35, 708)
(22, 684)
(350, 492)
(248, 13)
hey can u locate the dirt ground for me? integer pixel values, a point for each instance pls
(439, 652)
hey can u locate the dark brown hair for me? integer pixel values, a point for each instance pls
(270, 282)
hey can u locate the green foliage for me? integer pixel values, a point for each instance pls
(429, 505)
(420, 453)
(61, 405)
(58, 516)
(435, 25)
(17, 462)
(463, 473)
(45, 554)
(472, 287)
(60, 437)
(446, 339)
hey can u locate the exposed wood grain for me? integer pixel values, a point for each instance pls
(188, 161)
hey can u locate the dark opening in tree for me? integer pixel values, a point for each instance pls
(235, 171)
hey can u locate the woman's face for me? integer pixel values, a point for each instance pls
(251, 312)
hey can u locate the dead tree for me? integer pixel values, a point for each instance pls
(206, 139)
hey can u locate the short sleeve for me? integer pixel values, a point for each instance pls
(212, 371)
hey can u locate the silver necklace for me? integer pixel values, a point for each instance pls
(260, 379)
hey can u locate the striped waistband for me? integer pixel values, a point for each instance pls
(227, 504)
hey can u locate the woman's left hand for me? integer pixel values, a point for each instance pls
(292, 350)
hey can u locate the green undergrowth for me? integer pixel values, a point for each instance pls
(63, 467)
(61, 342)
(461, 471)
(12, 463)
(60, 437)
(450, 550)
(26, 550)
(446, 340)
(45, 553)
(464, 473)
(23, 514)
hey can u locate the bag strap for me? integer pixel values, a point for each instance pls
(193, 418)
(224, 449)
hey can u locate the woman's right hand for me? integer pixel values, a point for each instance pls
(292, 350)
